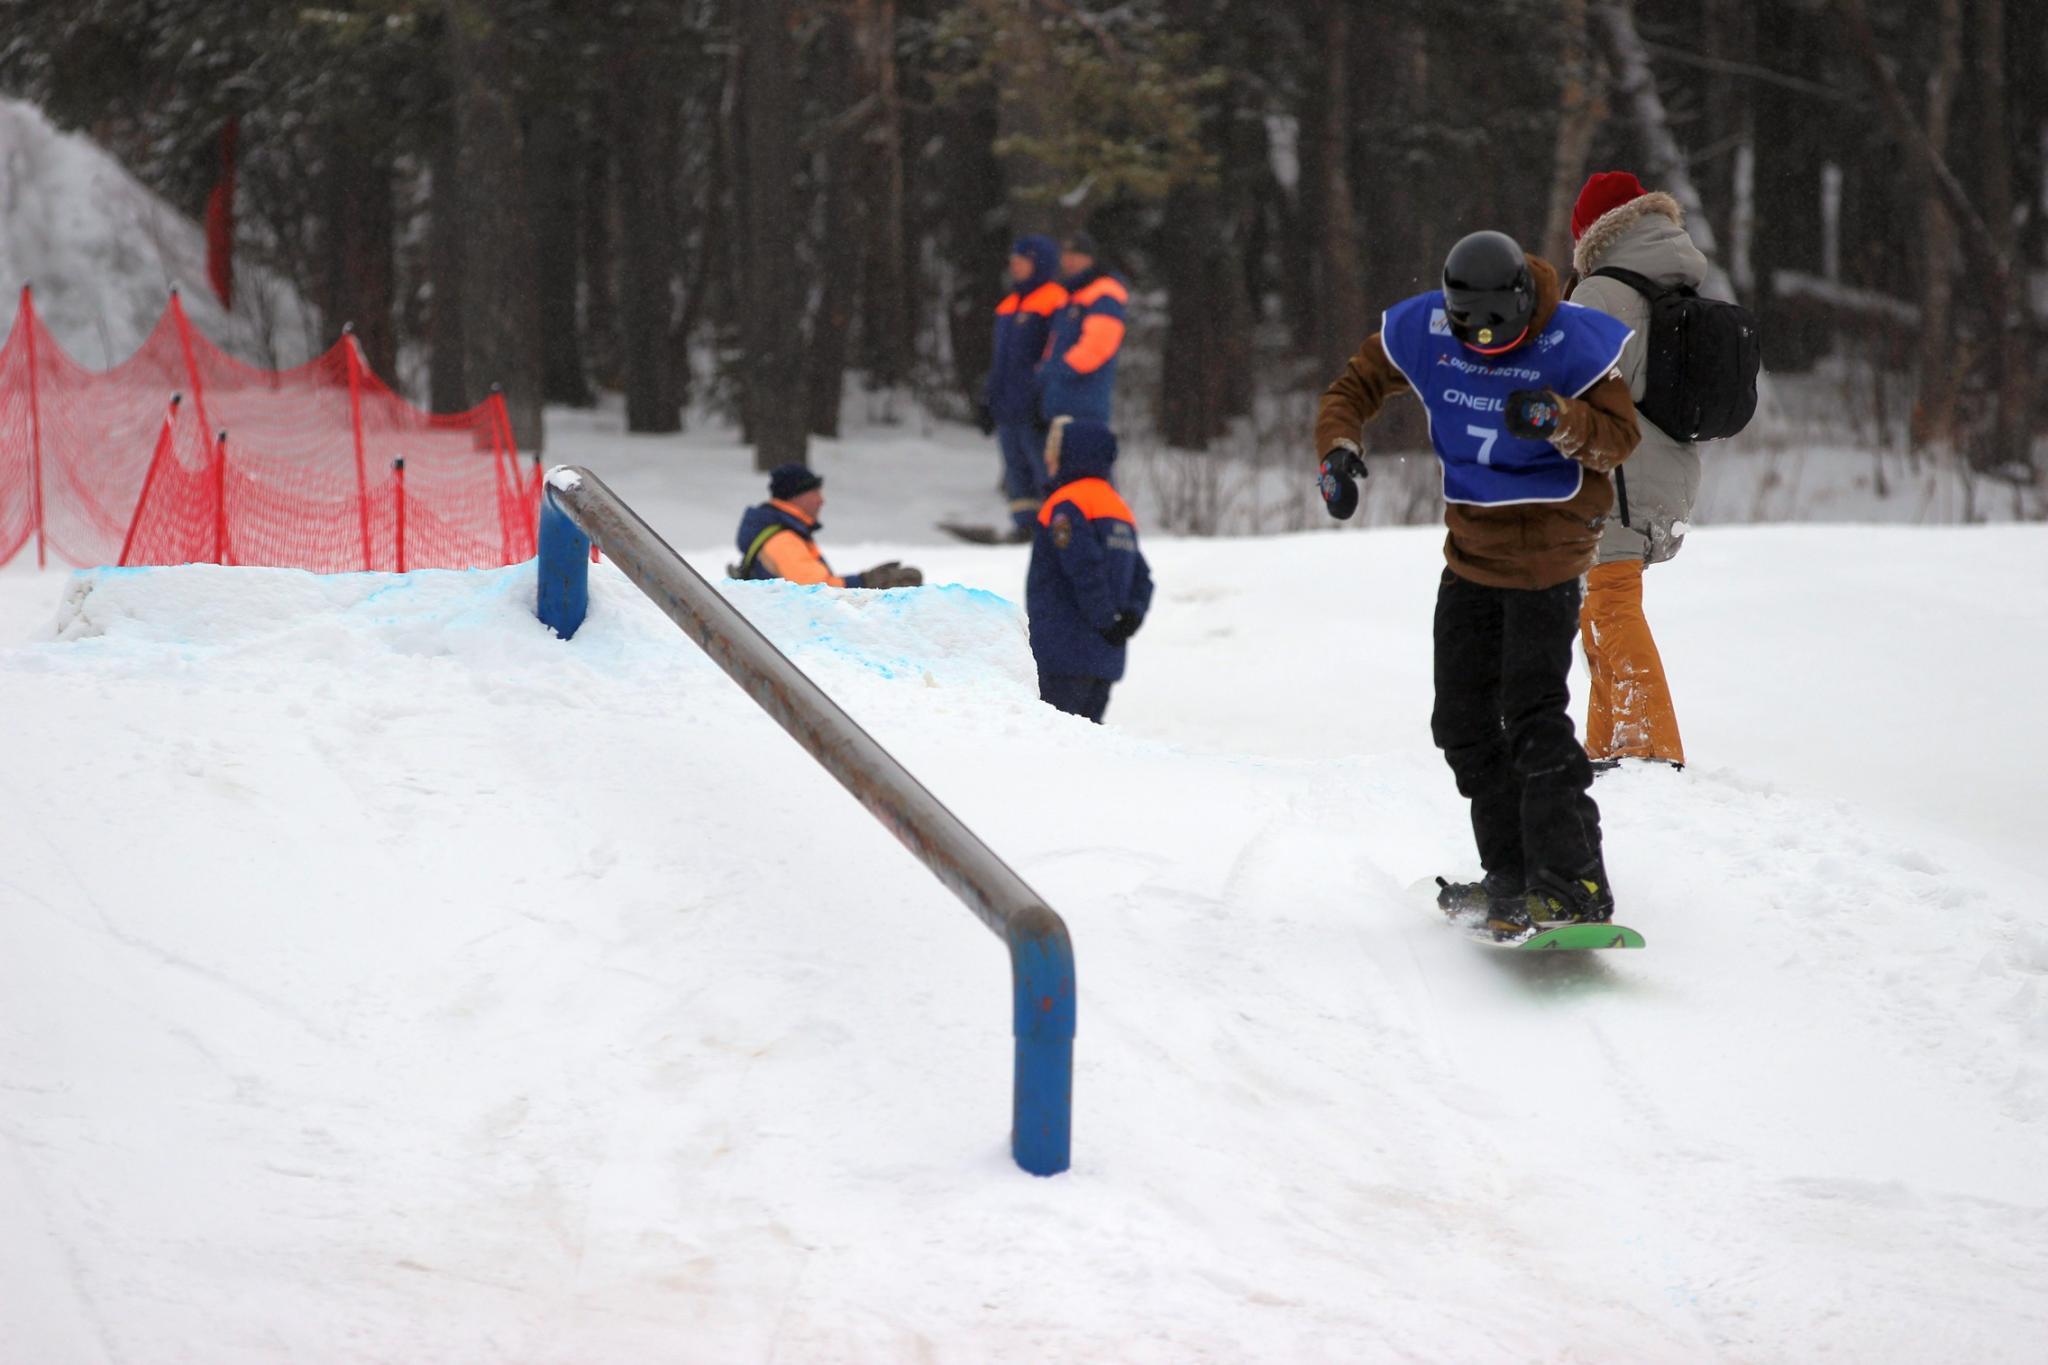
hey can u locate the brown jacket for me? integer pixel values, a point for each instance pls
(1530, 545)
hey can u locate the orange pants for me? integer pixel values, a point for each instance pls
(1630, 714)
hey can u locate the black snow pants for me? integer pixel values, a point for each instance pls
(1075, 695)
(1503, 656)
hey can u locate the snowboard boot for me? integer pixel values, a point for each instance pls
(1495, 889)
(1581, 899)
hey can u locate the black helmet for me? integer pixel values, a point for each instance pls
(1488, 295)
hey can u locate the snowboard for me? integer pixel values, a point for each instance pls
(1561, 936)
(978, 535)
(1542, 938)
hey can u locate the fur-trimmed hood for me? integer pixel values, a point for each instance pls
(1646, 235)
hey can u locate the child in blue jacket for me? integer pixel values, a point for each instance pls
(1089, 586)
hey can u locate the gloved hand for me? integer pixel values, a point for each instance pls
(1337, 480)
(1533, 414)
(985, 418)
(892, 575)
(1123, 627)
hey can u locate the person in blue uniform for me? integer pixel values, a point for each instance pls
(1088, 587)
(1009, 401)
(1529, 413)
(1078, 378)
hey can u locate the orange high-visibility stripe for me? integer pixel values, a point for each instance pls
(1100, 336)
(1092, 498)
(1045, 300)
(792, 557)
(1108, 286)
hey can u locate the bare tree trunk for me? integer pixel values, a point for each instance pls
(1026, 108)
(447, 384)
(1731, 113)
(889, 316)
(501, 323)
(360, 279)
(1341, 315)
(1934, 405)
(833, 167)
(1989, 247)
(598, 241)
(2011, 442)
(644, 135)
(1665, 162)
(1579, 114)
(554, 180)
(772, 317)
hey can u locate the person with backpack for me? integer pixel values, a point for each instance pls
(1685, 368)
(1528, 415)
(1088, 587)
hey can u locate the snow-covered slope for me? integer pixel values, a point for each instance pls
(383, 978)
(103, 252)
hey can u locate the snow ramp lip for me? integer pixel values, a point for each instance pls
(946, 636)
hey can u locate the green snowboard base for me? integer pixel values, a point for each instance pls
(1567, 936)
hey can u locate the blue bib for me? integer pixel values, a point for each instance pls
(1465, 394)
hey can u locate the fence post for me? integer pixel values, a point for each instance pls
(191, 360)
(398, 476)
(355, 421)
(578, 512)
(156, 463)
(220, 499)
(35, 427)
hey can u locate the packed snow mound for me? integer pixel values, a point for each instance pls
(103, 252)
(942, 637)
(385, 977)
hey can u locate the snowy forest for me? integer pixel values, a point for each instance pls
(760, 207)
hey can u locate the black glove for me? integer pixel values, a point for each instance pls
(985, 418)
(1533, 414)
(891, 575)
(1123, 627)
(1337, 480)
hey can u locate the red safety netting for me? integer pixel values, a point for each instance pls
(321, 467)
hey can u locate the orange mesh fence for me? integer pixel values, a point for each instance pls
(95, 468)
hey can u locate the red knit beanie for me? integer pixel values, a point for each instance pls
(1605, 190)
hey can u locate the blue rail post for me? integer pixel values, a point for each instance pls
(564, 566)
(1042, 1099)
(577, 510)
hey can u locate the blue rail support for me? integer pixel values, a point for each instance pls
(577, 511)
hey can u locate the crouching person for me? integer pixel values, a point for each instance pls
(1089, 587)
(778, 538)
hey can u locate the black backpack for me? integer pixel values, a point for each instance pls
(1700, 379)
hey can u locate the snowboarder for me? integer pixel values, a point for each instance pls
(1078, 378)
(1528, 413)
(1620, 225)
(1009, 402)
(1088, 587)
(777, 538)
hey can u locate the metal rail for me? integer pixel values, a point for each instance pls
(579, 511)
